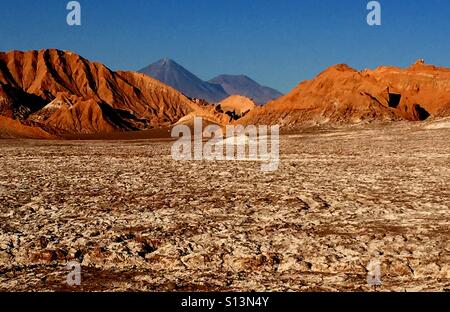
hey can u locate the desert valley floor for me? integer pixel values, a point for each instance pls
(137, 220)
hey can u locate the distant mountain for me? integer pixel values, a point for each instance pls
(213, 91)
(176, 76)
(243, 85)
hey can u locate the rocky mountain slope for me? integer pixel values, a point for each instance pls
(10, 129)
(61, 92)
(342, 94)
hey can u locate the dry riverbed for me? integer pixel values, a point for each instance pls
(137, 220)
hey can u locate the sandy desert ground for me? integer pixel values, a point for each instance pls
(137, 220)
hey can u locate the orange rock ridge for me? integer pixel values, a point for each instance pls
(343, 94)
(65, 92)
(58, 92)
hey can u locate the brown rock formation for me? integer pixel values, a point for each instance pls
(343, 94)
(68, 94)
(10, 128)
(63, 94)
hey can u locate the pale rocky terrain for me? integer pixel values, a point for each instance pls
(137, 220)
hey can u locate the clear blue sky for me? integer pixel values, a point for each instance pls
(278, 43)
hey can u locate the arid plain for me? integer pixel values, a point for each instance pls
(137, 220)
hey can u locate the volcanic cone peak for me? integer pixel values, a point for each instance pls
(176, 76)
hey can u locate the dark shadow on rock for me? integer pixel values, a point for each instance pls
(420, 112)
(394, 99)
